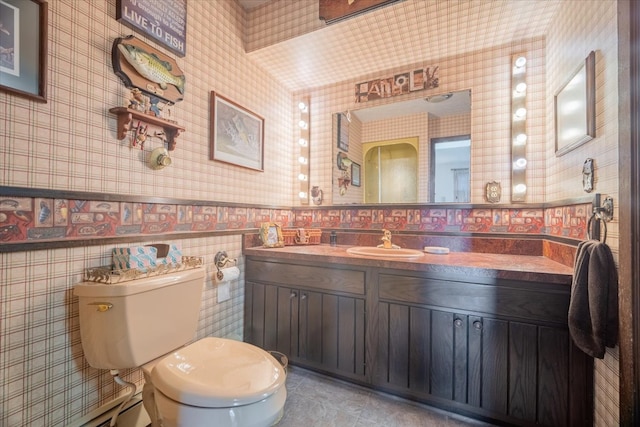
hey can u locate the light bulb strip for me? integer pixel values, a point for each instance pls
(519, 90)
(303, 143)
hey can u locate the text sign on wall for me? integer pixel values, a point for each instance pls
(400, 84)
(164, 20)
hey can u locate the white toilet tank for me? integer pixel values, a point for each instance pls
(128, 324)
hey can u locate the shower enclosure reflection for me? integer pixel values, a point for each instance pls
(391, 171)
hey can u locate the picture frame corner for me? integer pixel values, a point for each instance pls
(34, 88)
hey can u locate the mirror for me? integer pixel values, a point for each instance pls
(391, 171)
(392, 146)
(449, 169)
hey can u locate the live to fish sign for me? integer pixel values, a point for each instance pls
(164, 20)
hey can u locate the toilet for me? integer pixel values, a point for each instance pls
(147, 323)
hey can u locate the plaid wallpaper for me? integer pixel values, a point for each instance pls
(70, 144)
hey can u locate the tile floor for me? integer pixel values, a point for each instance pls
(314, 400)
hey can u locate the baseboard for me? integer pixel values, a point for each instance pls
(132, 415)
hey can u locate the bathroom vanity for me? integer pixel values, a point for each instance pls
(484, 335)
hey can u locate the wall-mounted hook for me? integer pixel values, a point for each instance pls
(600, 212)
(605, 211)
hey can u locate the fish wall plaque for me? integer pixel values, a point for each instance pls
(144, 67)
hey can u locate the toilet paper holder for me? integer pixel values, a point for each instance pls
(222, 260)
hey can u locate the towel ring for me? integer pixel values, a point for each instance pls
(599, 218)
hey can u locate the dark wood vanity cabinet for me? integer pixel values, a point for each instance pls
(314, 315)
(499, 349)
(489, 348)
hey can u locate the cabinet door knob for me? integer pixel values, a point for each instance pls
(304, 296)
(477, 324)
(458, 323)
(293, 295)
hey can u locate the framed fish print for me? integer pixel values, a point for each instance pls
(236, 134)
(23, 48)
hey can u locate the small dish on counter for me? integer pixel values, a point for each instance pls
(436, 250)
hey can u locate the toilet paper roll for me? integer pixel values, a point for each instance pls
(224, 285)
(228, 274)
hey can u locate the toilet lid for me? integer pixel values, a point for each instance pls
(218, 372)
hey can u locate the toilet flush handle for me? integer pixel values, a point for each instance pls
(102, 306)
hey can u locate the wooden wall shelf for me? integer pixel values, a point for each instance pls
(126, 116)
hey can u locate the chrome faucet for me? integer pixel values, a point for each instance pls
(386, 241)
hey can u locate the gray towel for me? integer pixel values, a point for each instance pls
(593, 309)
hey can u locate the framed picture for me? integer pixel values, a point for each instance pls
(575, 108)
(170, 31)
(333, 11)
(23, 48)
(355, 174)
(237, 134)
(271, 235)
(343, 132)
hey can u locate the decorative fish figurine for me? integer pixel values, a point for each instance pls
(151, 67)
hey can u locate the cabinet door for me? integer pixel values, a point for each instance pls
(423, 351)
(519, 372)
(331, 333)
(260, 315)
(316, 329)
(287, 321)
(254, 305)
(310, 327)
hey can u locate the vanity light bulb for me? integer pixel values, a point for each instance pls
(521, 163)
(521, 61)
(521, 139)
(303, 142)
(302, 177)
(521, 88)
(302, 106)
(521, 113)
(520, 188)
(302, 160)
(302, 195)
(303, 124)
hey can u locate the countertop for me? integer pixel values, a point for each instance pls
(487, 265)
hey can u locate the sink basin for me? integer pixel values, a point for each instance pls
(383, 252)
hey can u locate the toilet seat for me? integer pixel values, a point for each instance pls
(218, 372)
